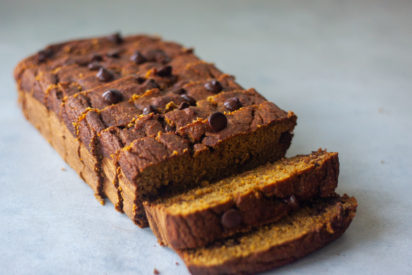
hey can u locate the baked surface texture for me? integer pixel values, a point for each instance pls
(137, 117)
(237, 203)
(277, 244)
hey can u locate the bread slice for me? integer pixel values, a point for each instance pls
(270, 246)
(260, 196)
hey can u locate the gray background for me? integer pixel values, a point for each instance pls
(344, 67)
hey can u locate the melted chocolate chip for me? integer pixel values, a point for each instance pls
(116, 38)
(43, 55)
(232, 104)
(217, 121)
(158, 56)
(213, 86)
(149, 109)
(140, 79)
(189, 99)
(164, 71)
(94, 66)
(179, 91)
(183, 105)
(113, 54)
(96, 57)
(138, 58)
(231, 218)
(112, 96)
(104, 75)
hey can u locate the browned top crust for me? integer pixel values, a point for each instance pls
(141, 92)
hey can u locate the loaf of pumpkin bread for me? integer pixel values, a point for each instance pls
(138, 117)
(237, 203)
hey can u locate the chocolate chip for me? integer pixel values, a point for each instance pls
(147, 110)
(151, 84)
(217, 121)
(189, 50)
(179, 91)
(157, 56)
(285, 138)
(140, 79)
(113, 54)
(188, 99)
(232, 104)
(116, 38)
(82, 62)
(169, 128)
(164, 71)
(292, 202)
(183, 105)
(96, 57)
(94, 66)
(231, 218)
(213, 86)
(104, 75)
(138, 58)
(43, 55)
(112, 96)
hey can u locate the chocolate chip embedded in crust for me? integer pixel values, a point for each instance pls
(217, 121)
(94, 66)
(164, 71)
(232, 104)
(157, 56)
(104, 75)
(183, 105)
(82, 61)
(116, 38)
(43, 55)
(149, 109)
(179, 91)
(213, 86)
(113, 54)
(285, 138)
(151, 84)
(140, 79)
(138, 58)
(188, 99)
(112, 96)
(292, 202)
(96, 57)
(169, 128)
(231, 218)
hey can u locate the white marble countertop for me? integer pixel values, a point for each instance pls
(344, 67)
